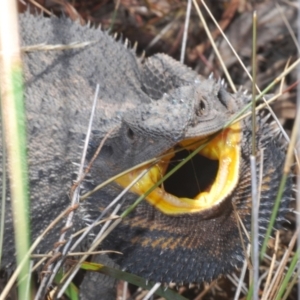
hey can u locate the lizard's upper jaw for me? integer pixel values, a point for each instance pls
(202, 184)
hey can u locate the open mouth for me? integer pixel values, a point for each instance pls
(201, 184)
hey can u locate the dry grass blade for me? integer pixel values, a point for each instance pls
(164, 31)
(254, 229)
(270, 271)
(75, 254)
(83, 230)
(227, 75)
(254, 186)
(274, 285)
(41, 7)
(186, 28)
(152, 291)
(288, 26)
(242, 277)
(47, 47)
(125, 290)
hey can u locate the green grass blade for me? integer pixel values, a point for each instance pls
(136, 280)
(13, 118)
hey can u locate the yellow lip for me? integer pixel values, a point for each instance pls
(225, 148)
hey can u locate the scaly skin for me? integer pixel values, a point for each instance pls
(149, 107)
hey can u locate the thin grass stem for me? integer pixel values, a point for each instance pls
(242, 277)
(186, 29)
(152, 291)
(254, 40)
(227, 75)
(255, 200)
(270, 271)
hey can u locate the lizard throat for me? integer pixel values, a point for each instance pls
(222, 159)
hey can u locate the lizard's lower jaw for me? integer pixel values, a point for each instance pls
(223, 148)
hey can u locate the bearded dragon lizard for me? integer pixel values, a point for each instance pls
(186, 230)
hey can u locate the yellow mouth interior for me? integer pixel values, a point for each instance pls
(224, 148)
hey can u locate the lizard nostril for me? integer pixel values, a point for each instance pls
(130, 134)
(201, 108)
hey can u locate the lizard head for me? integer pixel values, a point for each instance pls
(172, 127)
